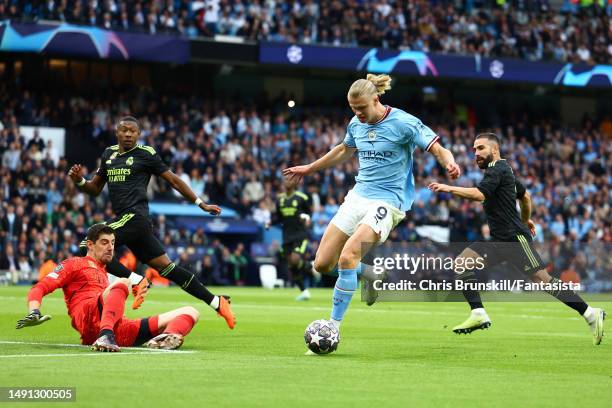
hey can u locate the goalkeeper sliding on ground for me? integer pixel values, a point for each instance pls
(96, 308)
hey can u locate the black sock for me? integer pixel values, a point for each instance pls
(472, 296)
(307, 268)
(105, 332)
(569, 297)
(187, 281)
(116, 268)
(297, 276)
(300, 284)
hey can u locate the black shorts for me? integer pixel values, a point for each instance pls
(519, 252)
(136, 232)
(297, 246)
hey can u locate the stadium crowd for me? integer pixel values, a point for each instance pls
(528, 29)
(233, 156)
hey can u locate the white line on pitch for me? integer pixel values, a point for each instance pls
(80, 354)
(355, 310)
(138, 349)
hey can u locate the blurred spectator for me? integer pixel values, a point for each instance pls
(8, 260)
(236, 264)
(261, 214)
(207, 269)
(253, 190)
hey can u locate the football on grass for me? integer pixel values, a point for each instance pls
(322, 337)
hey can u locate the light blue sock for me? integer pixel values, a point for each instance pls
(359, 270)
(346, 285)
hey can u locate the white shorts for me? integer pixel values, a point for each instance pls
(356, 210)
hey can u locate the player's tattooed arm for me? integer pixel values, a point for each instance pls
(92, 187)
(446, 160)
(179, 185)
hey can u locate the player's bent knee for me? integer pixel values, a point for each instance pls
(323, 266)
(186, 310)
(161, 266)
(122, 281)
(193, 312)
(348, 259)
(294, 258)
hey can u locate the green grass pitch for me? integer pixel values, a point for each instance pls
(391, 354)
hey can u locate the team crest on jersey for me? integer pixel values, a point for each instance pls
(91, 264)
(54, 274)
(372, 135)
(129, 161)
(294, 203)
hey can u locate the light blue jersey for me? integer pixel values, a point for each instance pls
(385, 152)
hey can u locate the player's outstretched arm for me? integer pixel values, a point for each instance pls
(471, 193)
(179, 185)
(446, 160)
(92, 187)
(34, 317)
(337, 155)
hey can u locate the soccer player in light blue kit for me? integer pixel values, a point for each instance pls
(385, 139)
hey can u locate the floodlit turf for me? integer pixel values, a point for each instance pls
(392, 354)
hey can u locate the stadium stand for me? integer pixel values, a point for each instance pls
(528, 29)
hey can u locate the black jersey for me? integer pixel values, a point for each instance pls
(128, 175)
(501, 189)
(288, 210)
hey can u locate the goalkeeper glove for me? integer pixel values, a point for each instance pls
(34, 318)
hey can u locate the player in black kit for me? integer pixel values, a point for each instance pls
(512, 242)
(293, 213)
(127, 168)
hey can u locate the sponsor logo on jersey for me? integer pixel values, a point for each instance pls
(375, 155)
(117, 175)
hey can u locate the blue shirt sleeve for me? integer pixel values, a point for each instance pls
(420, 135)
(349, 140)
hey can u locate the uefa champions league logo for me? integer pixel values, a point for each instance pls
(102, 40)
(497, 69)
(373, 63)
(294, 54)
(567, 77)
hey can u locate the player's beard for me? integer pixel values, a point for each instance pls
(484, 162)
